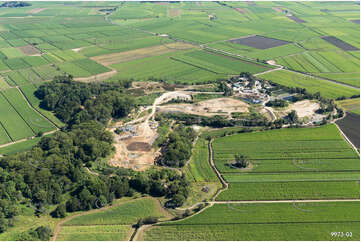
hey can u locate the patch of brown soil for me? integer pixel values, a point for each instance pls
(218, 106)
(135, 151)
(119, 57)
(29, 50)
(139, 146)
(36, 10)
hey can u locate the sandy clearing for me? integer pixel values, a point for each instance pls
(218, 106)
(77, 49)
(118, 57)
(304, 108)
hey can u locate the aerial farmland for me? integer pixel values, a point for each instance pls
(179, 120)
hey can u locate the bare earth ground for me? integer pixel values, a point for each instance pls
(29, 50)
(148, 87)
(114, 58)
(219, 106)
(304, 109)
(37, 10)
(135, 152)
(77, 49)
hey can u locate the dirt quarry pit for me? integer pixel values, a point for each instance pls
(139, 146)
(218, 106)
(133, 146)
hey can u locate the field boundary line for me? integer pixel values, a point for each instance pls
(196, 66)
(21, 116)
(37, 111)
(287, 201)
(7, 133)
(286, 222)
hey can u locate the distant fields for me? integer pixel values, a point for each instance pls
(313, 85)
(278, 221)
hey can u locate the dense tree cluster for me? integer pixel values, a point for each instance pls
(177, 149)
(216, 121)
(223, 87)
(159, 183)
(241, 161)
(75, 102)
(40, 233)
(14, 4)
(53, 173)
(52, 168)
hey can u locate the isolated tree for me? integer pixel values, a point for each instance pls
(241, 161)
(292, 116)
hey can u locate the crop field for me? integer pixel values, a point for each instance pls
(288, 221)
(160, 67)
(28, 91)
(96, 233)
(36, 122)
(140, 53)
(218, 63)
(114, 223)
(19, 147)
(12, 122)
(127, 213)
(199, 168)
(350, 105)
(289, 164)
(311, 84)
(91, 66)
